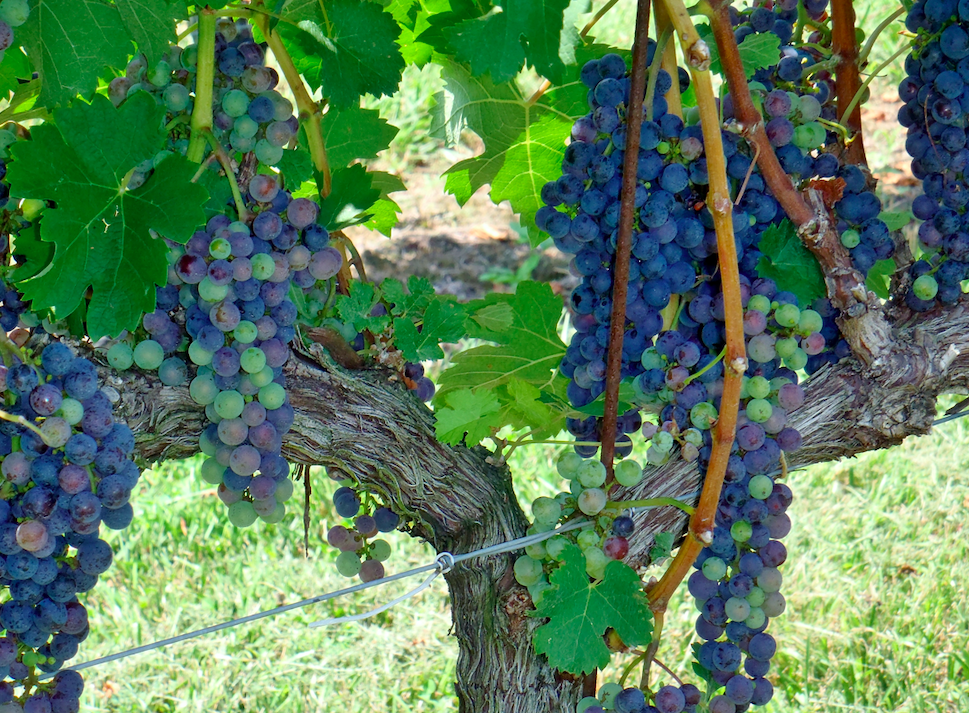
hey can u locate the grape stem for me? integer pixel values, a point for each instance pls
(856, 99)
(698, 374)
(309, 110)
(617, 324)
(356, 260)
(223, 158)
(882, 26)
(651, 503)
(21, 421)
(844, 44)
(204, 78)
(654, 69)
(598, 16)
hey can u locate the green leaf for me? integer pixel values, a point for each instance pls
(662, 544)
(36, 254)
(580, 611)
(469, 415)
(523, 407)
(350, 200)
(787, 262)
(443, 322)
(495, 317)
(70, 42)
(355, 133)
(514, 30)
(296, 167)
(524, 141)
(627, 395)
(880, 276)
(529, 349)
(14, 66)
(896, 220)
(151, 25)
(413, 304)
(218, 188)
(349, 51)
(386, 212)
(102, 232)
(355, 308)
(757, 51)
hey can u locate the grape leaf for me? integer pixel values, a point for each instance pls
(102, 232)
(627, 396)
(350, 50)
(70, 42)
(353, 133)
(421, 294)
(443, 19)
(580, 611)
(386, 212)
(443, 321)
(350, 200)
(787, 262)
(515, 30)
(496, 317)
(217, 185)
(896, 220)
(296, 166)
(36, 254)
(468, 415)
(879, 278)
(662, 544)
(529, 349)
(524, 141)
(355, 308)
(757, 51)
(523, 407)
(151, 25)
(14, 66)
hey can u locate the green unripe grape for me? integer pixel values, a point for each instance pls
(211, 471)
(666, 395)
(810, 108)
(809, 322)
(220, 249)
(528, 571)
(786, 347)
(851, 238)
(595, 562)
(737, 609)
(242, 514)
(380, 550)
(275, 516)
(591, 501)
(714, 568)
(203, 389)
(235, 103)
(71, 410)
(199, 355)
(348, 564)
(176, 97)
(692, 116)
(284, 490)
(797, 360)
(693, 436)
(555, 546)
(663, 441)
(744, 380)
(652, 359)
(741, 531)
(759, 410)
(568, 464)
(262, 378)
(229, 404)
(210, 292)
(777, 382)
(607, 693)
(272, 396)
(787, 315)
(207, 446)
(591, 474)
(663, 148)
(758, 387)
(120, 356)
(536, 550)
(148, 354)
(703, 415)
(32, 208)
(628, 472)
(925, 287)
(262, 266)
(246, 332)
(245, 127)
(546, 510)
(760, 487)
(14, 12)
(586, 703)
(211, 414)
(587, 539)
(756, 618)
(267, 153)
(761, 303)
(240, 142)
(756, 597)
(253, 360)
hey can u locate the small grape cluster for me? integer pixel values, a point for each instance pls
(67, 469)
(667, 699)
(359, 553)
(936, 95)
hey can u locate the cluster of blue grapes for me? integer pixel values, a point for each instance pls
(668, 699)
(936, 113)
(360, 554)
(13, 13)
(67, 470)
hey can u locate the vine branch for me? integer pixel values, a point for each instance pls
(844, 44)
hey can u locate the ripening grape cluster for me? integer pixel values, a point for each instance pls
(64, 476)
(361, 554)
(936, 113)
(667, 699)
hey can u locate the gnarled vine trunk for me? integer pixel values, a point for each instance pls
(361, 424)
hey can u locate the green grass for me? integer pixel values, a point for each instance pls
(877, 584)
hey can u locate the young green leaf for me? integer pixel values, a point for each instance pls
(468, 415)
(879, 278)
(351, 199)
(151, 25)
(355, 308)
(408, 305)
(580, 611)
(756, 51)
(789, 263)
(443, 322)
(102, 232)
(353, 133)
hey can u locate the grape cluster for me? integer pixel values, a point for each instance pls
(13, 13)
(667, 699)
(67, 469)
(936, 110)
(360, 554)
